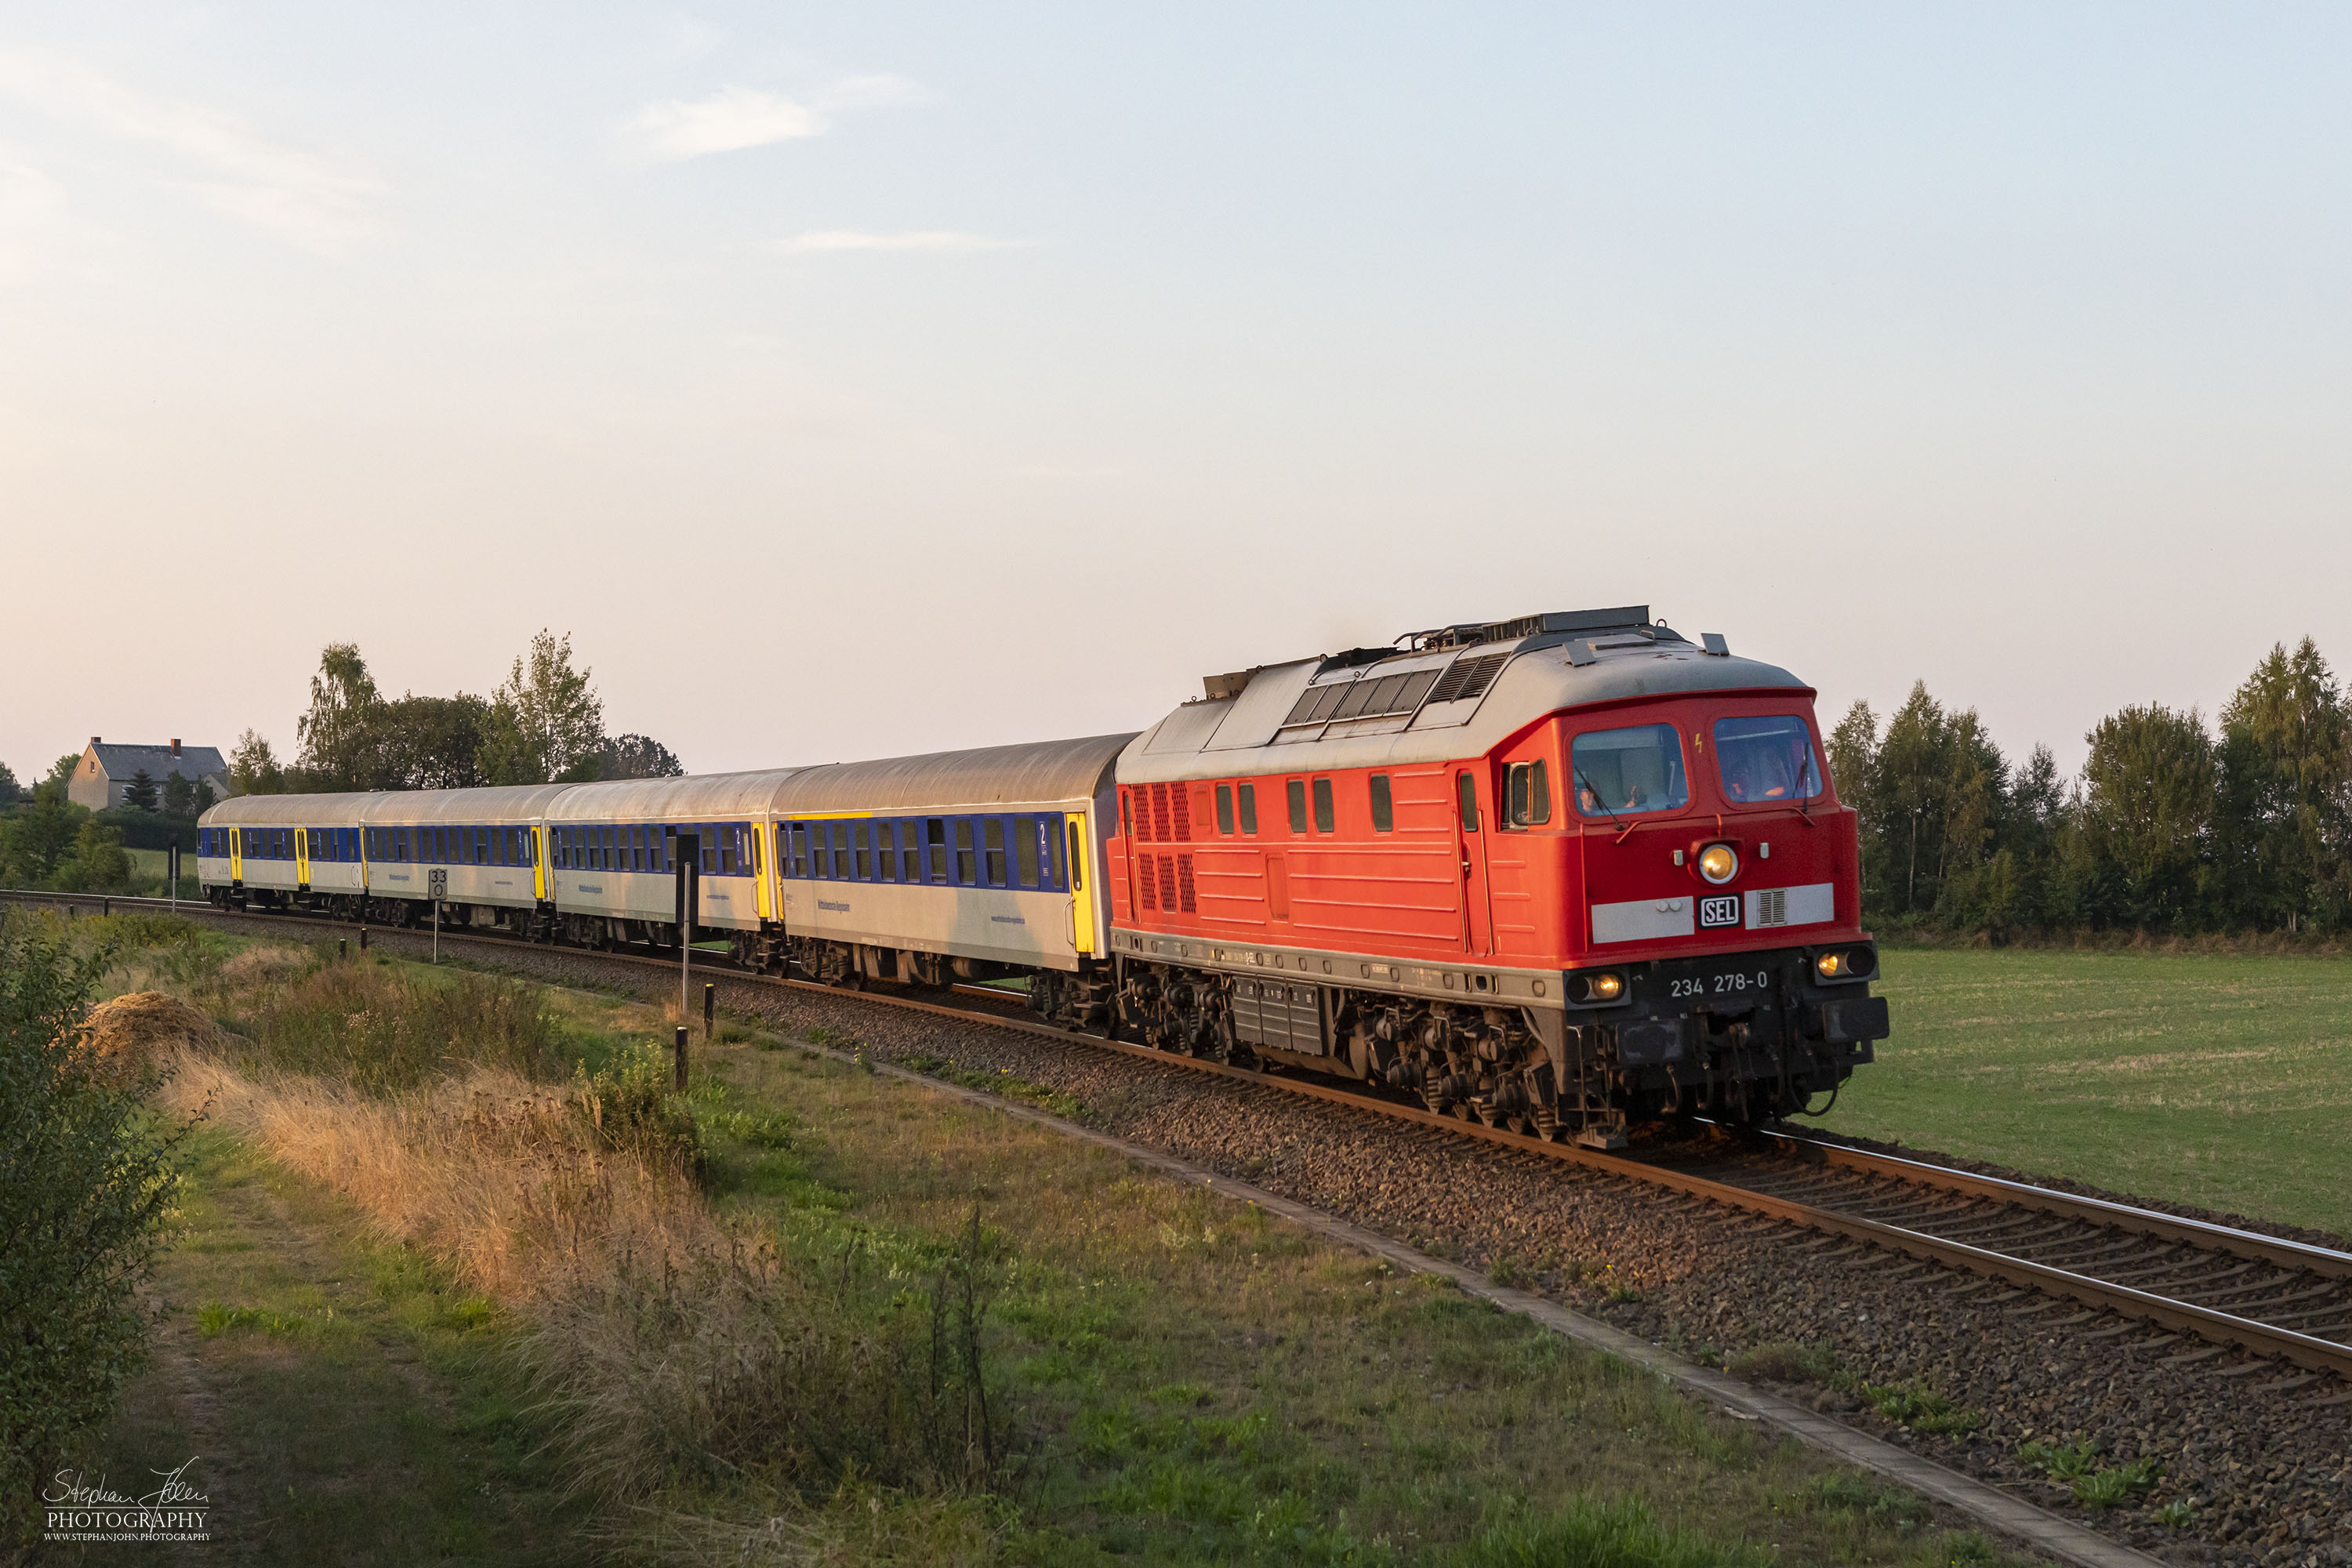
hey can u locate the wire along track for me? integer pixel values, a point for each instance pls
(2266, 1295)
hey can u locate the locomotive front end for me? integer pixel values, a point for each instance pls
(1722, 969)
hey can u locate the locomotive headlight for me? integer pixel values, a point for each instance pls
(1831, 964)
(1597, 989)
(1718, 863)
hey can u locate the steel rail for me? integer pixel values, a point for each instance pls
(2221, 1328)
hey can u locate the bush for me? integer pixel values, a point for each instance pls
(86, 1174)
(630, 1103)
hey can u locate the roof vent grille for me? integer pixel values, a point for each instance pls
(1468, 677)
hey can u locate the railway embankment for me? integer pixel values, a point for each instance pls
(1171, 1376)
(2233, 1467)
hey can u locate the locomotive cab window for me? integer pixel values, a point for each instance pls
(1529, 794)
(1635, 769)
(1767, 758)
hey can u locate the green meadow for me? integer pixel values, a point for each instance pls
(2215, 1079)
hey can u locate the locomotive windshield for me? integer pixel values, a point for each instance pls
(1767, 758)
(1618, 771)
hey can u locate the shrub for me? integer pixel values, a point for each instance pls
(630, 1103)
(86, 1174)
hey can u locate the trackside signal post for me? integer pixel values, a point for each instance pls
(437, 888)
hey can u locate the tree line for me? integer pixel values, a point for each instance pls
(544, 724)
(2173, 826)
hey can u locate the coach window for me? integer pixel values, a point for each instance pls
(865, 852)
(710, 833)
(1323, 805)
(935, 835)
(1025, 849)
(1296, 789)
(910, 850)
(992, 838)
(1383, 808)
(730, 845)
(1529, 794)
(400, 845)
(1247, 800)
(967, 864)
(1224, 808)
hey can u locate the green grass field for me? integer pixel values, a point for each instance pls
(2219, 1080)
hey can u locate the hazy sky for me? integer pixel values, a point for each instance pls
(859, 379)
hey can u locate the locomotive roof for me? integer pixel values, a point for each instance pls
(1462, 695)
(1032, 774)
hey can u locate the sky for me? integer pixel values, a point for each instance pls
(853, 381)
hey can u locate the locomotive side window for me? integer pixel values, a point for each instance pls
(1767, 758)
(1224, 808)
(1297, 789)
(1618, 771)
(1383, 806)
(1529, 794)
(1323, 805)
(1249, 807)
(1468, 789)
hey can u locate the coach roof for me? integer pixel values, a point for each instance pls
(1043, 773)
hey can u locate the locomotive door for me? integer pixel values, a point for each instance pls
(1471, 829)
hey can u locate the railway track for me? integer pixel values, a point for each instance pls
(2163, 1277)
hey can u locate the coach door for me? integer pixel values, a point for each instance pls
(236, 853)
(1472, 828)
(763, 897)
(1082, 895)
(302, 859)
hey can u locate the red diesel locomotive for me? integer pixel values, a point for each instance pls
(1563, 874)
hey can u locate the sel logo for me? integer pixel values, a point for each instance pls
(1718, 911)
